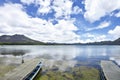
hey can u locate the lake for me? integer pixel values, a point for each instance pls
(61, 52)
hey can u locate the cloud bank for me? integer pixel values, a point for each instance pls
(96, 9)
(17, 21)
(61, 17)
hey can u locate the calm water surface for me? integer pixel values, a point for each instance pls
(63, 52)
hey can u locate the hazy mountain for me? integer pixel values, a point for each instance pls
(115, 42)
(21, 39)
(17, 39)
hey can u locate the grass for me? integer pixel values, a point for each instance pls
(77, 73)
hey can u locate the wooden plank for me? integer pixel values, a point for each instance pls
(111, 70)
(20, 72)
(34, 73)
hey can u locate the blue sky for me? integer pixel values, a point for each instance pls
(62, 21)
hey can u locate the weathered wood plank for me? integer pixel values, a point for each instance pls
(20, 72)
(111, 70)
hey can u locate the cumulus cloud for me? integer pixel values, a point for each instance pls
(93, 37)
(100, 26)
(96, 9)
(103, 25)
(44, 6)
(28, 2)
(118, 14)
(14, 17)
(17, 21)
(115, 32)
(77, 10)
(62, 8)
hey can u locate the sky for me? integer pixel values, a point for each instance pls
(61, 21)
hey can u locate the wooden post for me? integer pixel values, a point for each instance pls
(22, 60)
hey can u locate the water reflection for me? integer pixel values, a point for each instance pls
(12, 52)
(61, 52)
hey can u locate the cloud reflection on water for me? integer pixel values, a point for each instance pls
(70, 52)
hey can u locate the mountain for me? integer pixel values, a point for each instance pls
(23, 40)
(115, 42)
(17, 39)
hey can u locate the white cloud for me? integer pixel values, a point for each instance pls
(118, 14)
(77, 10)
(103, 25)
(28, 2)
(14, 17)
(63, 24)
(96, 9)
(93, 37)
(100, 26)
(63, 8)
(44, 6)
(115, 32)
(17, 21)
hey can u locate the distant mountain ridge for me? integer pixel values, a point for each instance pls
(21, 39)
(17, 39)
(115, 42)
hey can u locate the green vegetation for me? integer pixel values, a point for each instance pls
(77, 73)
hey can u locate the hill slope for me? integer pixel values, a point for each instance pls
(17, 39)
(21, 39)
(115, 42)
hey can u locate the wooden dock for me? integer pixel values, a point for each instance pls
(111, 70)
(20, 72)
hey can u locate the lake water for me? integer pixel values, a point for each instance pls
(63, 52)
